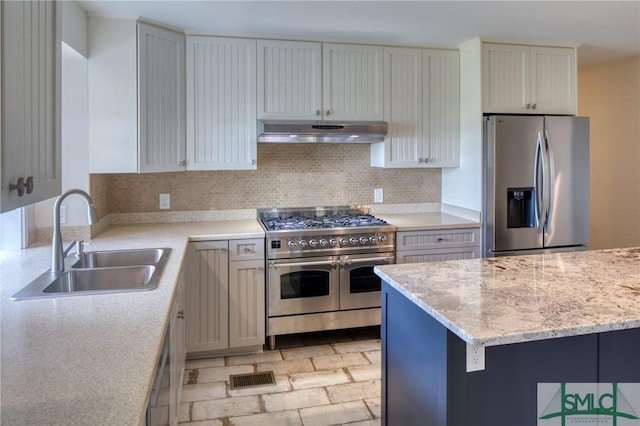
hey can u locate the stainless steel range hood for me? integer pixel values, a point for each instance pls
(302, 131)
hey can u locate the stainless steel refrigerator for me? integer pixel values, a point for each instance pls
(536, 184)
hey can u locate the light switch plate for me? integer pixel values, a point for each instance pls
(165, 201)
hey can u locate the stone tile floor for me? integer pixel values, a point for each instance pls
(322, 379)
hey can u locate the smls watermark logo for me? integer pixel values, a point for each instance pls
(573, 404)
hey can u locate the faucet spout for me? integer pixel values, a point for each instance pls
(57, 250)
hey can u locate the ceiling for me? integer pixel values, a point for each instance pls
(604, 30)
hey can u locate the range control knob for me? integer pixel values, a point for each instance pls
(372, 239)
(313, 243)
(344, 241)
(382, 238)
(332, 242)
(303, 243)
(353, 241)
(323, 242)
(363, 240)
(292, 244)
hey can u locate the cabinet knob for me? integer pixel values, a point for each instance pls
(253, 162)
(318, 112)
(180, 314)
(328, 112)
(183, 163)
(29, 185)
(528, 106)
(533, 106)
(19, 187)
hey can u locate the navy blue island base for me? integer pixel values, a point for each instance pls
(425, 383)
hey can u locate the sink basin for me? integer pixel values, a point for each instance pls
(116, 258)
(101, 272)
(103, 280)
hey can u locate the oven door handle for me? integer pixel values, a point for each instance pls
(332, 263)
(377, 260)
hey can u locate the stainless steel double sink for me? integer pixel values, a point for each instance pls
(100, 272)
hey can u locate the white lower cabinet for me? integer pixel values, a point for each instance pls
(225, 295)
(434, 245)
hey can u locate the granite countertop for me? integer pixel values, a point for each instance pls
(90, 359)
(524, 298)
(427, 221)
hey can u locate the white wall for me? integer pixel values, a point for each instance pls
(463, 186)
(75, 118)
(74, 27)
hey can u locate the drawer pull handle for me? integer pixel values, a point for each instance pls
(440, 239)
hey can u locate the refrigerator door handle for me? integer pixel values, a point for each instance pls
(549, 181)
(538, 180)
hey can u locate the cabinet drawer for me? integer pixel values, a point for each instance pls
(411, 240)
(455, 253)
(246, 249)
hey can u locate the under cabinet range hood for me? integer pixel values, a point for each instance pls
(303, 131)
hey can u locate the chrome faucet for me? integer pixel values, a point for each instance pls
(58, 253)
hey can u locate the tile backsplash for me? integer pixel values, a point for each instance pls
(294, 175)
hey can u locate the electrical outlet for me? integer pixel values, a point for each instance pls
(63, 214)
(475, 358)
(165, 201)
(377, 195)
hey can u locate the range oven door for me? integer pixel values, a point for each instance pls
(304, 285)
(359, 285)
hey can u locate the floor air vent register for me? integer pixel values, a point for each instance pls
(252, 380)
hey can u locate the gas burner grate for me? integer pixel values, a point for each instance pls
(321, 222)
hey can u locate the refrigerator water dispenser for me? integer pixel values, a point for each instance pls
(521, 208)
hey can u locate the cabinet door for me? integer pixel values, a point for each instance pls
(207, 296)
(246, 303)
(221, 104)
(403, 110)
(441, 93)
(30, 94)
(553, 80)
(161, 100)
(177, 351)
(505, 78)
(289, 80)
(352, 82)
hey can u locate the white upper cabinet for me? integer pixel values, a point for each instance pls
(221, 104)
(403, 110)
(528, 79)
(314, 81)
(352, 82)
(161, 99)
(553, 79)
(30, 103)
(289, 80)
(421, 105)
(136, 97)
(442, 108)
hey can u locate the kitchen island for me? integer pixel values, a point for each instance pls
(465, 343)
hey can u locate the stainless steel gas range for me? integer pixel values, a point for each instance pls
(320, 268)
